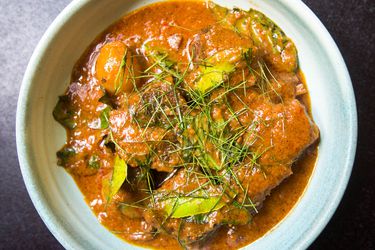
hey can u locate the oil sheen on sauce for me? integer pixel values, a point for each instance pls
(181, 17)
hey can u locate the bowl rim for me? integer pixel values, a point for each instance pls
(31, 179)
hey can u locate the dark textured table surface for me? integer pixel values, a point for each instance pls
(352, 25)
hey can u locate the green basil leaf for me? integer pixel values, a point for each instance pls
(94, 162)
(212, 76)
(104, 118)
(64, 154)
(110, 186)
(179, 207)
(63, 113)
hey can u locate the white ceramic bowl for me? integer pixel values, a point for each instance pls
(53, 191)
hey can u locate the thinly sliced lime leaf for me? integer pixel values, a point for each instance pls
(110, 186)
(179, 207)
(121, 73)
(213, 75)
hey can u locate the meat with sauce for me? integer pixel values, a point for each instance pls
(189, 126)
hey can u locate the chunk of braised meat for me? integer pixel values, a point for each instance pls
(268, 164)
(144, 127)
(282, 86)
(216, 45)
(209, 41)
(133, 143)
(192, 229)
(277, 49)
(269, 128)
(266, 106)
(271, 125)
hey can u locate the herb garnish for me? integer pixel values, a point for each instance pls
(63, 112)
(110, 186)
(64, 155)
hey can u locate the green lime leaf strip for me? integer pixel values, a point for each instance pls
(179, 207)
(113, 185)
(120, 73)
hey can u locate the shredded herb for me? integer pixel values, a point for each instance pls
(200, 122)
(119, 80)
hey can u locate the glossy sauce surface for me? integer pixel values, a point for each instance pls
(173, 26)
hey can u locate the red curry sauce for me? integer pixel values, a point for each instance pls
(203, 47)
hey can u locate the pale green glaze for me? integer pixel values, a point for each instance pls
(55, 195)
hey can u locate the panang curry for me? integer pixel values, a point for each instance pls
(182, 119)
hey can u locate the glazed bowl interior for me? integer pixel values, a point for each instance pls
(59, 201)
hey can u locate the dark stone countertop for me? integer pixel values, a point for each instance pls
(352, 25)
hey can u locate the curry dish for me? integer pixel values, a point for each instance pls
(181, 118)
